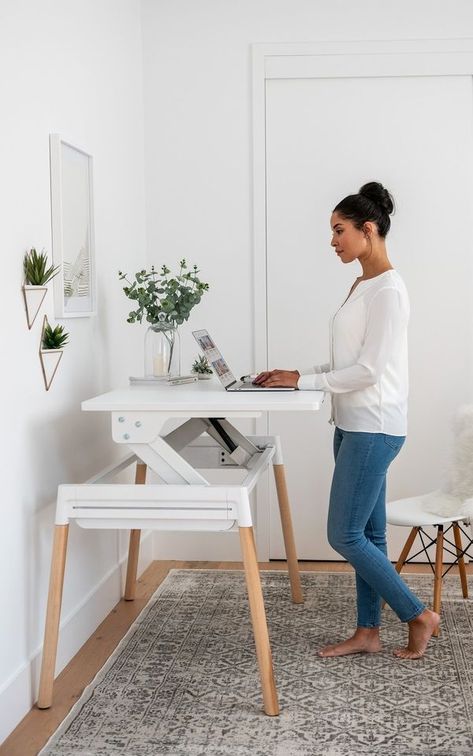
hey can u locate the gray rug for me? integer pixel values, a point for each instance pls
(184, 680)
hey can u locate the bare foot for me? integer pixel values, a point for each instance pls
(420, 632)
(365, 640)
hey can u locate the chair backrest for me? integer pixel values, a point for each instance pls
(460, 475)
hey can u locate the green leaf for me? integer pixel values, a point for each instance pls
(154, 293)
(54, 338)
(35, 270)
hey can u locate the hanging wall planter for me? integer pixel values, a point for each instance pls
(37, 275)
(50, 350)
(33, 296)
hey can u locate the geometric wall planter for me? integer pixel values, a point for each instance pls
(33, 296)
(50, 359)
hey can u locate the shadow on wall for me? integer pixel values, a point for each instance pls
(102, 337)
(68, 448)
(119, 346)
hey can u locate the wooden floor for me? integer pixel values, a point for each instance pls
(38, 725)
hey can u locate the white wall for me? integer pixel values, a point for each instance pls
(198, 120)
(74, 68)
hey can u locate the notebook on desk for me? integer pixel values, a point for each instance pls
(223, 372)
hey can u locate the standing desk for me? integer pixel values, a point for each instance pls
(184, 499)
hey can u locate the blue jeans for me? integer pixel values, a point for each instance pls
(357, 523)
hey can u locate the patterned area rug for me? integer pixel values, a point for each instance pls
(184, 681)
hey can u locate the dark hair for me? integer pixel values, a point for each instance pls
(372, 203)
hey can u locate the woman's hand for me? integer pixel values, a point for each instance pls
(277, 378)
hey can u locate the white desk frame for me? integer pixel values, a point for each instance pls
(185, 500)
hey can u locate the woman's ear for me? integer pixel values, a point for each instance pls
(368, 229)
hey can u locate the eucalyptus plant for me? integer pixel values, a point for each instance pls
(163, 297)
(36, 270)
(54, 338)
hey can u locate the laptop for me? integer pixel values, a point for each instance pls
(224, 374)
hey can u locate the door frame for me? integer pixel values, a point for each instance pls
(348, 59)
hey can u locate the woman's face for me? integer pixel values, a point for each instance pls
(350, 243)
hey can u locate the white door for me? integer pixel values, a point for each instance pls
(324, 139)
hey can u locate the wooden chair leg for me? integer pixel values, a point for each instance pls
(53, 614)
(406, 550)
(461, 560)
(438, 573)
(134, 544)
(258, 618)
(288, 534)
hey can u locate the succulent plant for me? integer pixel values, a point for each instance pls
(35, 268)
(54, 338)
(201, 366)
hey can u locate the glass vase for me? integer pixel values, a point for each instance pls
(162, 351)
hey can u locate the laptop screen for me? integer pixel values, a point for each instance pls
(214, 357)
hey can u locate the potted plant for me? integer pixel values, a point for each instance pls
(53, 341)
(37, 274)
(202, 368)
(165, 301)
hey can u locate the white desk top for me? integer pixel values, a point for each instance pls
(202, 396)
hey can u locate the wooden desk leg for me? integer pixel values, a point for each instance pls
(288, 534)
(53, 613)
(258, 618)
(134, 544)
(461, 560)
(438, 574)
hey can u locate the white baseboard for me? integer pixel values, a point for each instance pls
(19, 693)
(213, 547)
(196, 546)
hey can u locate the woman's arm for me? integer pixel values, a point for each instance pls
(315, 369)
(384, 327)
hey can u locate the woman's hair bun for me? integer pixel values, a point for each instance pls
(380, 196)
(372, 203)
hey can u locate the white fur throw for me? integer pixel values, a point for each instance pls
(456, 496)
(442, 503)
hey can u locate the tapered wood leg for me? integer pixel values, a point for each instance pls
(406, 550)
(134, 543)
(461, 561)
(438, 573)
(258, 618)
(53, 613)
(288, 534)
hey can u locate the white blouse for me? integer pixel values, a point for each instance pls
(368, 371)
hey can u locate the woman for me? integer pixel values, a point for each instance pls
(367, 379)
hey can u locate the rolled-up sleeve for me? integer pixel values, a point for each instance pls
(383, 327)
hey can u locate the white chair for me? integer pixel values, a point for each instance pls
(448, 510)
(411, 513)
